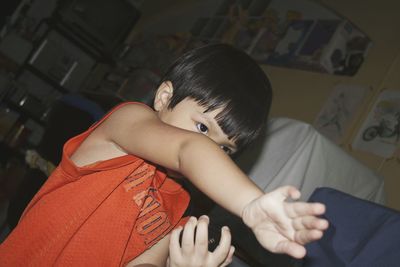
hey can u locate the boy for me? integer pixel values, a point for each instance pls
(109, 203)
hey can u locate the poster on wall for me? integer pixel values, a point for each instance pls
(380, 133)
(339, 110)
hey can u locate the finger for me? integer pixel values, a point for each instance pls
(201, 244)
(309, 222)
(188, 236)
(222, 250)
(296, 209)
(286, 192)
(174, 246)
(229, 258)
(291, 248)
(294, 193)
(306, 236)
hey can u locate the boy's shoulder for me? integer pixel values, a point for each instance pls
(138, 106)
(132, 111)
(126, 117)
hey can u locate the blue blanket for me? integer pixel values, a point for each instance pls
(361, 233)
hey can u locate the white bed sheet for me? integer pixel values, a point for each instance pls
(294, 153)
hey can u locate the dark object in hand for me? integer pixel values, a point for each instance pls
(214, 236)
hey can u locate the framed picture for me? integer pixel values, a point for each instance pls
(380, 132)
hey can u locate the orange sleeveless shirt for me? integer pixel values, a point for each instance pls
(103, 214)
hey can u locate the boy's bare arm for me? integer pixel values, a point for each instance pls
(156, 256)
(137, 130)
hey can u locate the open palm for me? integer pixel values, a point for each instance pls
(282, 226)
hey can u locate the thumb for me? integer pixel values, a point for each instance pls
(291, 248)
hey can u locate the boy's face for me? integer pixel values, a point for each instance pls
(189, 115)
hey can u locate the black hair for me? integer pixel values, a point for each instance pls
(221, 76)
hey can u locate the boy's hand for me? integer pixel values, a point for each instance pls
(194, 250)
(284, 227)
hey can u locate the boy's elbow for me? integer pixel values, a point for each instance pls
(183, 153)
(193, 149)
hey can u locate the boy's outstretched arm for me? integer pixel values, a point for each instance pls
(280, 226)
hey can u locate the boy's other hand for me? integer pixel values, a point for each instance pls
(285, 227)
(194, 250)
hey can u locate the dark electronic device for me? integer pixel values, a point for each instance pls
(103, 23)
(214, 236)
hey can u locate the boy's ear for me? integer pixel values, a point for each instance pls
(163, 95)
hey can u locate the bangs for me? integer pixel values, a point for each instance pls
(241, 123)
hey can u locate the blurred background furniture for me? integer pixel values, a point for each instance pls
(69, 116)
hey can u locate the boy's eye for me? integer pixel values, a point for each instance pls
(202, 128)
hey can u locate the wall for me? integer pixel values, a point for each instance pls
(300, 94)
(172, 16)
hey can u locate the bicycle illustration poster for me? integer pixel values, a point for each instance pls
(380, 133)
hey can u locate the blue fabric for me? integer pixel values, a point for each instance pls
(360, 234)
